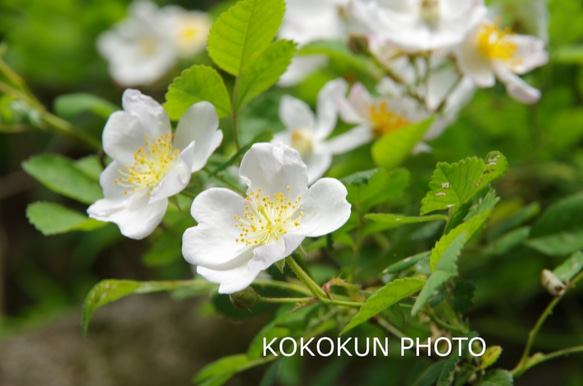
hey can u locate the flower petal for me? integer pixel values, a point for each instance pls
(530, 53)
(515, 86)
(230, 280)
(296, 114)
(268, 254)
(273, 168)
(135, 217)
(324, 207)
(199, 124)
(300, 68)
(350, 140)
(177, 178)
(317, 162)
(328, 106)
(473, 63)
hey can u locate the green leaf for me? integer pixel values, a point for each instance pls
(570, 267)
(91, 166)
(265, 71)
(445, 269)
(107, 291)
(452, 185)
(496, 377)
(569, 54)
(396, 220)
(507, 242)
(406, 263)
(51, 219)
(61, 175)
(383, 298)
(70, 105)
(195, 84)
(242, 33)
(431, 374)
(391, 149)
(447, 372)
(220, 371)
(375, 186)
(559, 231)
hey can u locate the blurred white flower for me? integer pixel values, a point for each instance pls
(489, 52)
(138, 48)
(188, 29)
(419, 25)
(238, 237)
(150, 164)
(307, 133)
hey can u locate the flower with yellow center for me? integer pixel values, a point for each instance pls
(489, 52)
(385, 121)
(150, 163)
(188, 30)
(237, 237)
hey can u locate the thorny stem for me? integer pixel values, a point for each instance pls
(526, 361)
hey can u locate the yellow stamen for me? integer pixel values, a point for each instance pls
(494, 43)
(152, 161)
(267, 220)
(301, 140)
(385, 121)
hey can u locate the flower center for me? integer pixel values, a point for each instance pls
(301, 140)
(385, 121)
(429, 11)
(148, 46)
(267, 220)
(494, 43)
(152, 161)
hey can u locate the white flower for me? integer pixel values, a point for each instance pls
(138, 48)
(489, 52)
(188, 29)
(306, 21)
(307, 132)
(419, 25)
(238, 237)
(150, 164)
(376, 117)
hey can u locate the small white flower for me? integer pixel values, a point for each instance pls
(419, 25)
(238, 237)
(138, 48)
(307, 132)
(150, 164)
(188, 29)
(489, 52)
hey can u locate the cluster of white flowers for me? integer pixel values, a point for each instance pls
(143, 47)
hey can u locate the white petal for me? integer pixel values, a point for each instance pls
(266, 255)
(107, 180)
(350, 140)
(296, 114)
(328, 106)
(473, 63)
(317, 162)
(530, 53)
(199, 124)
(273, 168)
(231, 280)
(325, 208)
(177, 178)
(360, 101)
(135, 217)
(149, 113)
(515, 86)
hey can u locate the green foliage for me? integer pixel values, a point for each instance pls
(383, 298)
(107, 291)
(220, 371)
(496, 377)
(51, 219)
(452, 185)
(390, 221)
(242, 33)
(559, 231)
(63, 176)
(372, 187)
(195, 84)
(391, 149)
(69, 105)
(570, 267)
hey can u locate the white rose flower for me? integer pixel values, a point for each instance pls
(188, 29)
(150, 164)
(307, 132)
(238, 237)
(489, 52)
(419, 25)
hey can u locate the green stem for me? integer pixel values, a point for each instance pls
(285, 300)
(389, 327)
(314, 288)
(527, 361)
(445, 325)
(282, 285)
(224, 181)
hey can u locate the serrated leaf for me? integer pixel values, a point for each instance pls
(372, 187)
(265, 71)
(392, 149)
(452, 185)
(242, 33)
(496, 377)
(406, 263)
(51, 219)
(559, 231)
(107, 291)
(388, 295)
(445, 269)
(570, 267)
(62, 176)
(490, 356)
(195, 84)
(70, 105)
